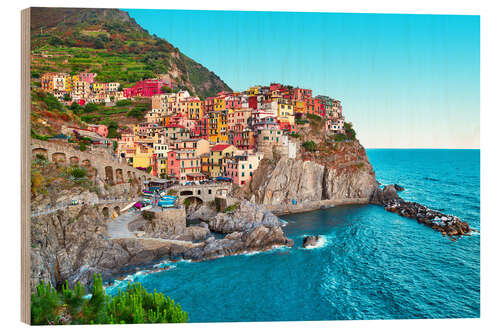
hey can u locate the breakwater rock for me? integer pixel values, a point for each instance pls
(446, 224)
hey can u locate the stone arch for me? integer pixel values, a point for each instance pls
(40, 151)
(119, 176)
(186, 192)
(129, 175)
(74, 160)
(116, 209)
(105, 212)
(86, 164)
(108, 172)
(59, 157)
(193, 200)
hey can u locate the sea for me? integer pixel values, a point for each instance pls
(369, 263)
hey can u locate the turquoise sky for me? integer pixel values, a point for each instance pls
(404, 80)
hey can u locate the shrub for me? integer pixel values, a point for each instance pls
(147, 215)
(294, 135)
(90, 107)
(134, 305)
(350, 132)
(339, 137)
(77, 172)
(231, 208)
(82, 146)
(123, 102)
(309, 145)
(313, 117)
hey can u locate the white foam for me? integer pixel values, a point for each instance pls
(322, 242)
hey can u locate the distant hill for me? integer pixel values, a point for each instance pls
(111, 43)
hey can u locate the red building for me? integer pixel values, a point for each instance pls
(200, 131)
(145, 88)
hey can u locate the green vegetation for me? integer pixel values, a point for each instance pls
(301, 121)
(294, 135)
(137, 112)
(340, 137)
(349, 131)
(114, 47)
(172, 192)
(309, 145)
(147, 215)
(123, 102)
(52, 103)
(133, 306)
(314, 117)
(77, 172)
(232, 208)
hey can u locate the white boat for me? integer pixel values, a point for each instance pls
(127, 207)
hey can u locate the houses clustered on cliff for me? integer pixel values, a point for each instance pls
(227, 135)
(83, 88)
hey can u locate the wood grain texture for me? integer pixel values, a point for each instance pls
(25, 166)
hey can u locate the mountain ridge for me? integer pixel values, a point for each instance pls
(115, 31)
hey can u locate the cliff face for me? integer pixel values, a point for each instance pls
(343, 173)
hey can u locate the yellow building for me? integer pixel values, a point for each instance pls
(218, 157)
(142, 157)
(285, 111)
(195, 109)
(217, 126)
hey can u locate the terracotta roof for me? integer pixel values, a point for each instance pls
(220, 147)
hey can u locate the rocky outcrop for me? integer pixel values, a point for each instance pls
(247, 216)
(338, 174)
(309, 241)
(201, 212)
(446, 224)
(73, 243)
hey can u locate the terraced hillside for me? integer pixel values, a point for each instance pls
(110, 43)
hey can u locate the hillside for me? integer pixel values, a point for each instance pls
(110, 43)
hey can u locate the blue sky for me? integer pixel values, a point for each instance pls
(405, 81)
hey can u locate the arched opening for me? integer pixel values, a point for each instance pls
(40, 153)
(73, 160)
(186, 192)
(116, 211)
(59, 158)
(192, 204)
(119, 176)
(129, 175)
(86, 164)
(105, 212)
(109, 175)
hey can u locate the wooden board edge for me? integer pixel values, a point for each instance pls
(25, 166)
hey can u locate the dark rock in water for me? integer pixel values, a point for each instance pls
(382, 196)
(310, 241)
(399, 188)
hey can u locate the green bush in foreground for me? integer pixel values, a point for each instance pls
(133, 306)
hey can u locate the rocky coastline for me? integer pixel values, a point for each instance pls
(448, 225)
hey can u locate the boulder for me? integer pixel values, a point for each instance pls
(399, 188)
(309, 241)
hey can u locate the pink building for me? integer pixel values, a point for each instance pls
(145, 88)
(184, 165)
(88, 77)
(240, 168)
(102, 130)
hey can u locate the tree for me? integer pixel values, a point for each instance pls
(133, 305)
(166, 89)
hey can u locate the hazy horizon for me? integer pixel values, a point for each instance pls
(405, 81)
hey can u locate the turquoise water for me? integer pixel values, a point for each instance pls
(371, 264)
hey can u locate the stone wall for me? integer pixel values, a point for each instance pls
(98, 163)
